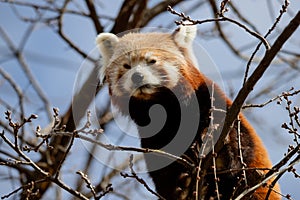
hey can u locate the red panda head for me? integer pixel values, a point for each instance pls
(138, 64)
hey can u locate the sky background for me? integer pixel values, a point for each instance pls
(55, 66)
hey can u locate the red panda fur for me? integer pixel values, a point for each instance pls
(176, 181)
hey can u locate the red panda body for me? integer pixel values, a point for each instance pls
(146, 70)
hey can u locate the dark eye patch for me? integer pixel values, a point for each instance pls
(152, 61)
(126, 66)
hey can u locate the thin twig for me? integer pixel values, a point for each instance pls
(65, 38)
(26, 158)
(160, 7)
(94, 17)
(213, 128)
(22, 188)
(294, 119)
(240, 151)
(140, 180)
(201, 173)
(16, 126)
(65, 155)
(265, 181)
(44, 7)
(111, 147)
(21, 60)
(185, 18)
(243, 18)
(92, 188)
(271, 100)
(106, 178)
(67, 188)
(16, 88)
(282, 11)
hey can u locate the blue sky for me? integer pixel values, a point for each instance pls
(55, 66)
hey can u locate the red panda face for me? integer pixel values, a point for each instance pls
(141, 72)
(138, 64)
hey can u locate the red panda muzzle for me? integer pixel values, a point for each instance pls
(137, 78)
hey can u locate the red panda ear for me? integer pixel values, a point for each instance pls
(185, 35)
(106, 43)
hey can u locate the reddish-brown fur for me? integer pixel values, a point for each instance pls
(176, 181)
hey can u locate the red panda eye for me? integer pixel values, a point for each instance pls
(152, 61)
(126, 66)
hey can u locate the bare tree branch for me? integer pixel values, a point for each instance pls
(254, 78)
(94, 16)
(27, 71)
(36, 157)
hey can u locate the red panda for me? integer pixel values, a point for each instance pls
(146, 70)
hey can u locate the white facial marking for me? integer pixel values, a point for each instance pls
(149, 79)
(173, 75)
(148, 54)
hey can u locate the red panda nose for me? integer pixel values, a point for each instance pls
(137, 78)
